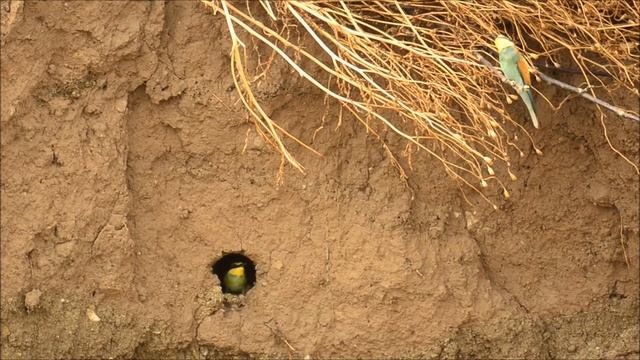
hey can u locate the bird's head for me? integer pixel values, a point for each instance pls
(237, 269)
(503, 42)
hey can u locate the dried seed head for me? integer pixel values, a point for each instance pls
(490, 171)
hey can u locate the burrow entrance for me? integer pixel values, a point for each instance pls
(233, 260)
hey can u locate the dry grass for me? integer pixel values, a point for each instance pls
(409, 66)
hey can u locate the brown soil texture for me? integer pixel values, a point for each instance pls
(129, 166)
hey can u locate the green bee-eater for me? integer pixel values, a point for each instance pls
(516, 69)
(235, 280)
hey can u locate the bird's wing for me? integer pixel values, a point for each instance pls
(524, 70)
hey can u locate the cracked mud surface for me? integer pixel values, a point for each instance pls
(128, 167)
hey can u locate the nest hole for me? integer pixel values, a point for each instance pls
(229, 261)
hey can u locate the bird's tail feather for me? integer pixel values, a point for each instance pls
(527, 97)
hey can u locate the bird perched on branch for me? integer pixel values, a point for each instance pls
(235, 280)
(516, 70)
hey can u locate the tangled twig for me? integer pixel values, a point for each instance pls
(409, 68)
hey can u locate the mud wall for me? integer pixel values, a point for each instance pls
(129, 166)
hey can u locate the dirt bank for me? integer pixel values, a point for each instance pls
(124, 178)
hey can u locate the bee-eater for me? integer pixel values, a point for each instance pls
(516, 69)
(235, 280)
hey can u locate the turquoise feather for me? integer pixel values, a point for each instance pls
(509, 58)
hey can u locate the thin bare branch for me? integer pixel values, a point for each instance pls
(577, 90)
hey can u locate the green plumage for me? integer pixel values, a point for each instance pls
(235, 284)
(509, 58)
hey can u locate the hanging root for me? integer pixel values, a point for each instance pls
(410, 67)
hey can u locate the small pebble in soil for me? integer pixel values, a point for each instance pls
(599, 195)
(184, 214)
(234, 301)
(32, 300)
(91, 314)
(5, 331)
(91, 109)
(572, 348)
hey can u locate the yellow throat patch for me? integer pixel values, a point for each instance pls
(237, 271)
(502, 42)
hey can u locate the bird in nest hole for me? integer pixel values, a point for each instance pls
(235, 280)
